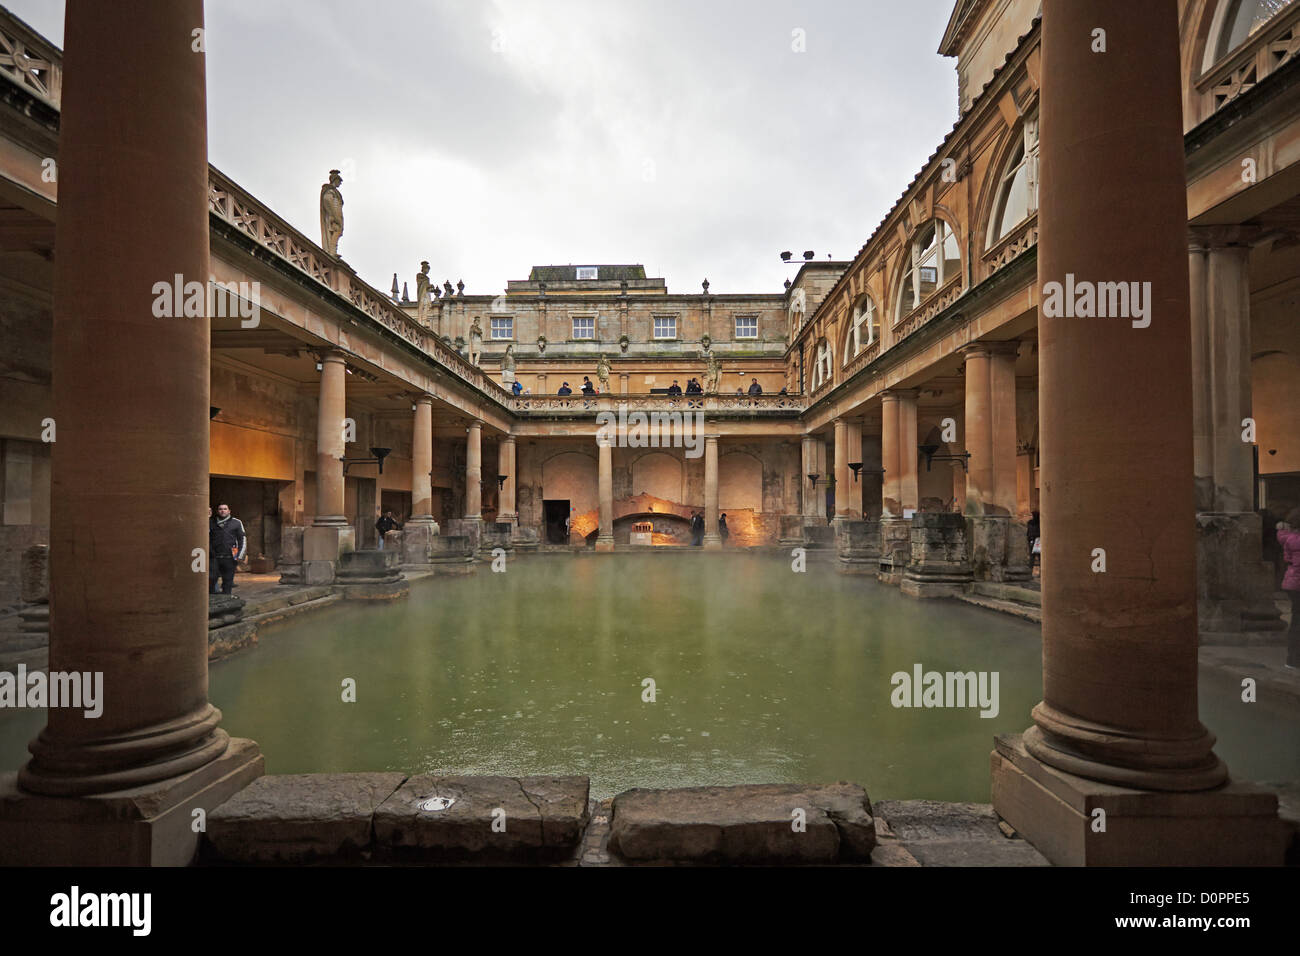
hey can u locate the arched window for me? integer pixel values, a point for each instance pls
(824, 367)
(865, 328)
(933, 259)
(1018, 190)
(1241, 18)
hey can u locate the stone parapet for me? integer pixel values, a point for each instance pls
(371, 576)
(858, 547)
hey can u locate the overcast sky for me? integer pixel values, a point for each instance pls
(488, 136)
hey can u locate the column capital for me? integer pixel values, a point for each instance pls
(1207, 238)
(899, 394)
(424, 399)
(329, 355)
(982, 347)
(507, 439)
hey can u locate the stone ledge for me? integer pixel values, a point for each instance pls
(744, 824)
(544, 818)
(298, 818)
(953, 834)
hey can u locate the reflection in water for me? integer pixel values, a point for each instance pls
(762, 674)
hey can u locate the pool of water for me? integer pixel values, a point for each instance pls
(760, 674)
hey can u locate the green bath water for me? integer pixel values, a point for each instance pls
(760, 674)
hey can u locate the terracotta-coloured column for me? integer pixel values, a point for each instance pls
(898, 451)
(506, 466)
(422, 462)
(1229, 307)
(330, 447)
(840, 431)
(809, 465)
(1120, 646)
(712, 540)
(991, 428)
(605, 490)
(474, 471)
(130, 467)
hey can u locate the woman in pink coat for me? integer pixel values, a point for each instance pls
(1288, 536)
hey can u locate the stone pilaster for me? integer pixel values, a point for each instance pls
(712, 539)
(605, 488)
(899, 488)
(330, 535)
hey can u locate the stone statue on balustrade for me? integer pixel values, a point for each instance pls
(602, 374)
(331, 214)
(422, 295)
(508, 365)
(712, 375)
(475, 342)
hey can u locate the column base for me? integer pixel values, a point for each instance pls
(322, 544)
(605, 542)
(147, 826)
(712, 542)
(1233, 825)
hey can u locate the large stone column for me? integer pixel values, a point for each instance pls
(131, 401)
(848, 490)
(422, 462)
(474, 471)
(872, 479)
(420, 529)
(1234, 584)
(712, 540)
(1119, 646)
(605, 492)
(990, 427)
(330, 535)
(899, 489)
(506, 466)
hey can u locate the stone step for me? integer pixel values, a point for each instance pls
(324, 598)
(753, 823)
(1029, 612)
(1008, 592)
(953, 834)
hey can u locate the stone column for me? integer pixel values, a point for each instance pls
(131, 400)
(474, 471)
(422, 462)
(506, 466)
(990, 432)
(1234, 584)
(809, 465)
(898, 451)
(848, 487)
(330, 447)
(329, 535)
(1119, 646)
(605, 488)
(712, 540)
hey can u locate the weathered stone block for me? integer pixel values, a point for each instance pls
(371, 575)
(35, 575)
(298, 818)
(939, 566)
(543, 817)
(858, 546)
(745, 824)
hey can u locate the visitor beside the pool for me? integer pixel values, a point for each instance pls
(723, 533)
(1288, 536)
(385, 524)
(697, 528)
(226, 544)
(565, 390)
(1034, 535)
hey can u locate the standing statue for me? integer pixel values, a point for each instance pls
(712, 374)
(602, 373)
(508, 365)
(331, 214)
(475, 342)
(422, 295)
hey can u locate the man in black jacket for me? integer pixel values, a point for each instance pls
(226, 546)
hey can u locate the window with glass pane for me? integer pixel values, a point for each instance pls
(503, 327)
(1244, 18)
(584, 326)
(665, 327)
(1019, 192)
(935, 259)
(746, 326)
(865, 328)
